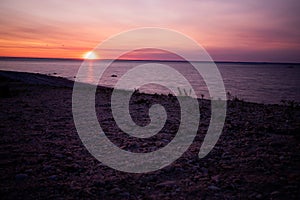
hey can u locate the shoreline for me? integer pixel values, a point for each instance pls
(256, 157)
(58, 81)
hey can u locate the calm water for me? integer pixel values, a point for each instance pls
(262, 83)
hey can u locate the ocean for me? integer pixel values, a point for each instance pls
(254, 82)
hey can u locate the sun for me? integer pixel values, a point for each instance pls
(90, 55)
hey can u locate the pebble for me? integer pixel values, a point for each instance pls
(58, 155)
(115, 190)
(281, 157)
(212, 187)
(125, 194)
(274, 193)
(204, 171)
(53, 177)
(47, 167)
(21, 177)
(166, 184)
(215, 178)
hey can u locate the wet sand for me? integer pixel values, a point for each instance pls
(42, 157)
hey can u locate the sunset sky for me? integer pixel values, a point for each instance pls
(231, 30)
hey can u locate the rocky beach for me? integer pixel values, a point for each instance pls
(42, 156)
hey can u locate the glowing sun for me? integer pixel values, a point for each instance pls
(90, 55)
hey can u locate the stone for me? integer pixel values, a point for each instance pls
(212, 187)
(53, 177)
(21, 177)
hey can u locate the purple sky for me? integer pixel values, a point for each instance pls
(231, 30)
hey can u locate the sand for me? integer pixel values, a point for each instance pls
(42, 157)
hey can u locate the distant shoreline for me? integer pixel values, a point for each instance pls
(5, 58)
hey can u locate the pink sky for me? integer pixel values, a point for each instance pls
(231, 30)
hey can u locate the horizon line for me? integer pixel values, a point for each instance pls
(136, 60)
